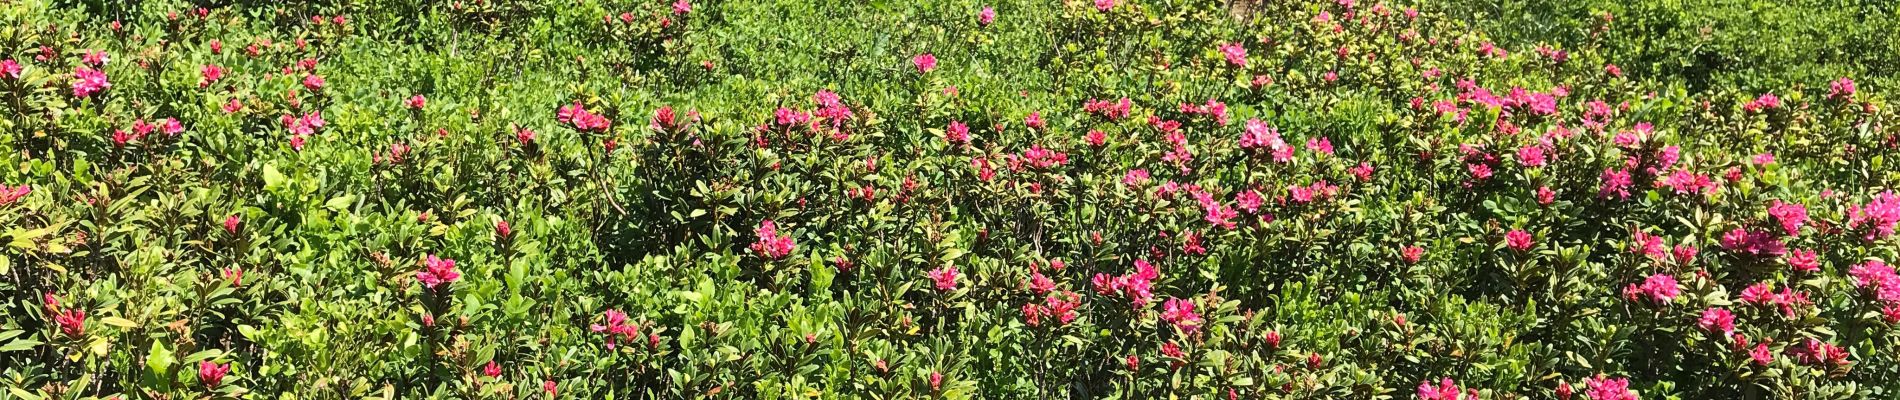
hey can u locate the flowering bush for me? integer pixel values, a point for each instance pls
(1084, 199)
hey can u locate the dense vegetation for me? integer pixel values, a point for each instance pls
(888, 199)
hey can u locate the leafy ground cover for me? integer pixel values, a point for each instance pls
(896, 200)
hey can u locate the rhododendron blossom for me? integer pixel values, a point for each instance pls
(1180, 312)
(1658, 289)
(1518, 239)
(1605, 388)
(1879, 217)
(436, 272)
(616, 328)
(771, 244)
(88, 81)
(945, 278)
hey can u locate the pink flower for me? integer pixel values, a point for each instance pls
(772, 244)
(1362, 172)
(1649, 245)
(945, 278)
(1816, 353)
(924, 62)
(1604, 388)
(231, 224)
(957, 133)
(1767, 101)
(1320, 145)
(1445, 390)
(582, 120)
(1658, 289)
(87, 81)
(212, 73)
(1104, 5)
(1763, 159)
(492, 370)
(1235, 53)
(11, 194)
(616, 328)
(1685, 253)
(1791, 215)
(985, 17)
(503, 230)
(211, 373)
(1034, 121)
(1518, 239)
(1716, 320)
(171, 127)
(1761, 356)
(416, 102)
(1615, 183)
(1878, 278)
(313, 82)
(681, 7)
(436, 272)
(1411, 254)
(1545, 195)
(1804, 260)
(10, 69)
(1741, 240)
(71, 321)
(548, 386)
(1096, 138)
(95, 58)
(1879, 217)
(1531, 156)
(1180, 312)
(1841, 89)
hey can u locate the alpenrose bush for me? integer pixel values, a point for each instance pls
(1080, 199)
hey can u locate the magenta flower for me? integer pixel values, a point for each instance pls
(1445, 390)
(1717, 320)
(1235, 53)
(1841, 89)
(945, 278)
(1605, 388)
(1411, 254)
(71, 321)
(1531, 156)
(1518, 239)
(985, 17)
(1361, 172)
(1104, 5)
(1658, 289)
(616, 328)
(11, 194)
(231, 224)
(211, 373)
(1790, 215)
(436, 272)
(681, 7)
(771, 243)
(924, 62)
(492, 370)
(957, 133)
(1616, 183)
(212, 73)
(313, 82)
(87, 81)
(10, 69)
(416, 102)
(1804, 260)
(1180, 312)
(1545, 196)
(1879, 217)
(577, 116)
(1878, 278)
